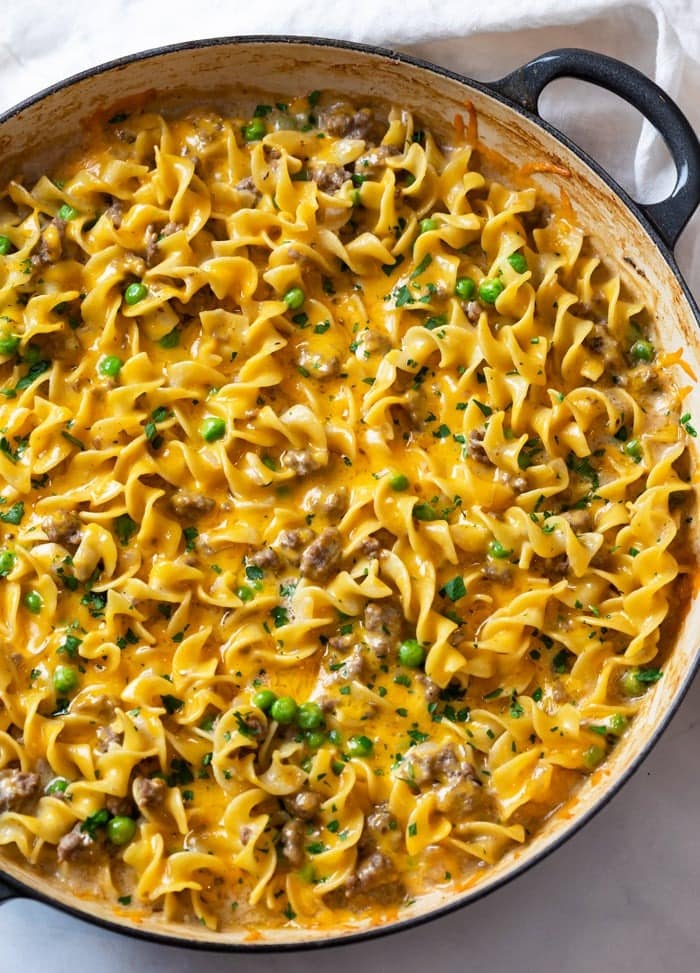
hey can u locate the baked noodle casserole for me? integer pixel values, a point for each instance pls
(342, 492)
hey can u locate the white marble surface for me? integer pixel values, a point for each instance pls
(620, 897)
(623, 894)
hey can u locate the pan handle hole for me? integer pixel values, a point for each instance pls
(614, 134)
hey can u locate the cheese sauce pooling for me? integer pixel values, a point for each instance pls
(338, 483)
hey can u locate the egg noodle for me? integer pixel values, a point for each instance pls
(339, 477)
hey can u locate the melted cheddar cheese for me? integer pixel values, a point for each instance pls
(338, 487)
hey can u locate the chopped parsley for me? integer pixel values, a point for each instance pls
(422, 267)
(70, 646)
(244, 728)
(388, 269)
(35, 370)
(582, 467)
(190, 534)
(95, 821)
(402, 296)
(125, 528)
(279, 616)
(648, 676)
(561, 661)
(485, 410)
(438, 321)
(95, 602)
(14, 454)
(417, 736)
(454, 589)
(685, 421)
(171, 703)
(73, 440)
(14, 514)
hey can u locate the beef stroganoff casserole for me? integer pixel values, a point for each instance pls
(343, 493)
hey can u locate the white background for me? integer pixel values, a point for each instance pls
(623, 894)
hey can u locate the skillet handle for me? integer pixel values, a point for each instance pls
(7, 893)
(525, 85)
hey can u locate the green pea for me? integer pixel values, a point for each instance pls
(398, 482)
(411, 653)
(65, 679)
(121, 830)
(310, 716)
(294, 298)
(593, 756)
(633, 449)
(254, 130)
(284, 710)
(642, 351)
(497, 550)
(617, 724)
(425, 226)
(264, 698)
(7, 563)
(315, 739)
(423, 511)
(489, 290)
(518, 262)
(465, 288)
(335, 737)
(630, 685)
(134, 293)
(360, 746)
(110, 366)
(9, 343)
(212, 428)
(59, 785)
(245, 593)
(67, 212)
(33, 602)
(5, 245)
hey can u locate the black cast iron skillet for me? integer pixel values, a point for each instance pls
(647, 234)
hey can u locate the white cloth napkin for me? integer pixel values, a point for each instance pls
(41, 43)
